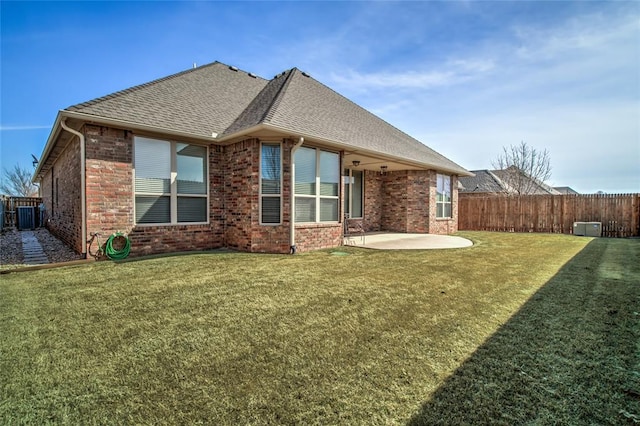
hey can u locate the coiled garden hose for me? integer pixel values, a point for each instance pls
(117, 253)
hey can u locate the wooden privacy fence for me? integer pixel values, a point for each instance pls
(9, 207)
(618, 213)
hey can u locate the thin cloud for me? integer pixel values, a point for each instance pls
(456, 72)
(24, 127)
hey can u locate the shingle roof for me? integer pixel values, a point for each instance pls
(495, 181)
(198, 101)
(483, 181)
(219, 99)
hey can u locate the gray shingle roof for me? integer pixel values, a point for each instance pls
(495, 181)
(218, 99)
(483, 181)
(198, 101)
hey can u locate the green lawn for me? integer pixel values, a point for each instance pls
(519, 328)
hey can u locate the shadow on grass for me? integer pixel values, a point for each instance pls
(571, 355)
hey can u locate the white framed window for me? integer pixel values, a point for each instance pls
(270, 183)
(171, 182)
(317, 185)
(443, 196)
(353, 193)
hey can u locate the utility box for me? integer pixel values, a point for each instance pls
(587, 229)
(26, 218)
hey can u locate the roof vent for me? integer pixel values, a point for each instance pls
(252, 75)
(306, 74)
(232, 68)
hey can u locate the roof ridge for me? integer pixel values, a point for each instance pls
(264, 105)
(277, 98)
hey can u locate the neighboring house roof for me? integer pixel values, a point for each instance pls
(534, 187)
(218, 103)
(483, 181)
(495, 181)
(566, 190)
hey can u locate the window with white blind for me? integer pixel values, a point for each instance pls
(443, 196)
(317, 185)
(353, 185)
(170, 182)
(270, 184)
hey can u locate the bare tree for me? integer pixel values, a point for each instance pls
(17, 182)
(523, 169)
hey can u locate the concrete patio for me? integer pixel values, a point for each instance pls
(400, 241)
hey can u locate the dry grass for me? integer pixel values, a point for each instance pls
(367, 338)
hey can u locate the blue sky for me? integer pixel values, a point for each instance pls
(466, 78)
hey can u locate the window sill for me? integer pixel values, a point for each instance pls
(318, 225)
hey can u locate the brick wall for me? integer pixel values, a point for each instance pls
(373, 196)
(443, 226)
(418, 200)
(397, 201)
(109, 179)
(60, 189)
(110, 197)
(394, 202)
(318, 236)
(243, 230)
(409, 203)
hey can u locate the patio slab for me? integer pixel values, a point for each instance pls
(400, 241)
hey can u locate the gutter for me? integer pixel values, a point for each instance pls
(292, 216)
(83, 184)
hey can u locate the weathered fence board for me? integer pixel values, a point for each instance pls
(618, 213)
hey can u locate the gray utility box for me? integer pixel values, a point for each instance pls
(26, 218)
(587, 229)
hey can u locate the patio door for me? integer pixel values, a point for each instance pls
(353, 193)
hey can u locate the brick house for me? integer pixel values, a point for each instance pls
(218, 157)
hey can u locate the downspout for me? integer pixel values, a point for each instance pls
(83, 187)
(292, 216)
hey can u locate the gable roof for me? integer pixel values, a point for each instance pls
(566, 190)
(217, 103)
(495, 181)
(483, 181)
(200, 101)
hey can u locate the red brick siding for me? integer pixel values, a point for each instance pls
(394, 202)
(240, 192)
(60, 189)
(409, 203)
(401, 201)
(110, 198)
(318, 236)
(373, 196)
(443, 226)
(109, 178)
(243, 230)
(418, 201)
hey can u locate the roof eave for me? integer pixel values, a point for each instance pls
(131, 125)
(53, 136)
(341, 145)
(95, 119)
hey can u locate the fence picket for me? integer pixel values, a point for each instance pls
(618, 213)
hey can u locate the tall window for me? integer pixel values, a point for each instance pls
(270, 184)
(443, 196)
(317, 185)
(170, 183)
(353, 193)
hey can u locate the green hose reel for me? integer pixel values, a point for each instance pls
(118, 246)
